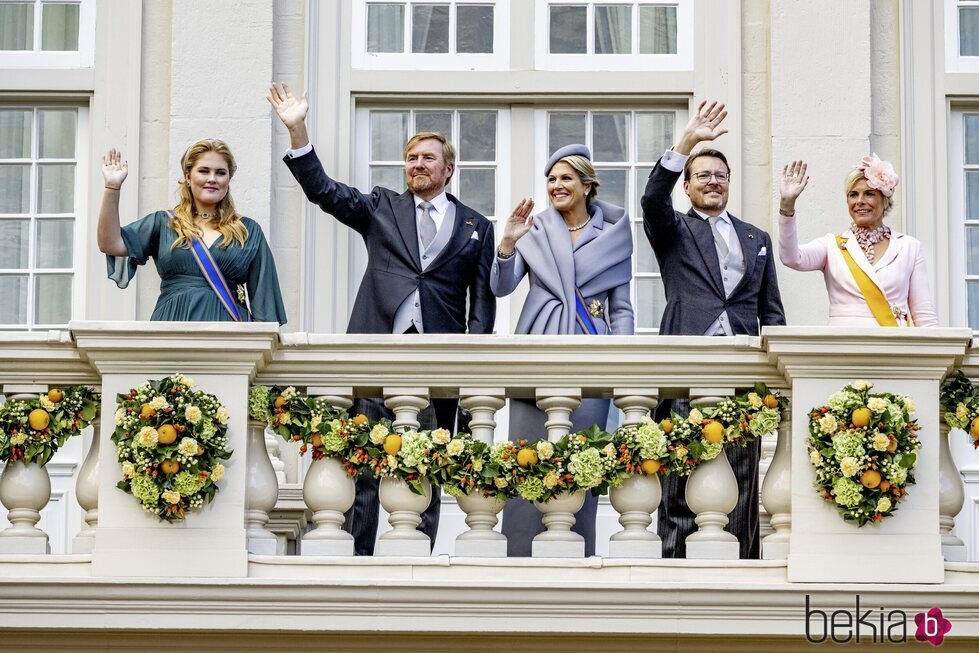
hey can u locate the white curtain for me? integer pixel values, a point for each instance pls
(385, 28)
(613, 29)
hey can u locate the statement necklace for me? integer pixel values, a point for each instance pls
(579, 227)
(867, 238)
(204, 216)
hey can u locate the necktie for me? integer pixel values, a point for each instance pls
(719, 240)
(426, 225)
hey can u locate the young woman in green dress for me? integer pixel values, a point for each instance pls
(205, 211)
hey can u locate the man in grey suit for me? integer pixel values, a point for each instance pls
(428, 269)
(719, 277)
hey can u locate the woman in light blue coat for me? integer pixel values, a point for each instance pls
(578, 245)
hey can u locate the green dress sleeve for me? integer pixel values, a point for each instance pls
(142, 239)
(264, 295)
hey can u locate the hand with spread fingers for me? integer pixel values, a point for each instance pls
(704, 125)
(292, 112)
(791, 183)
(517, 225)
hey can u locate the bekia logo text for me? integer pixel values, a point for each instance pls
(877, 625)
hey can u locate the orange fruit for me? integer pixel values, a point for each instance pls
(713, 431)
(861, 416)
(55, 395)
(169, 467)
(392, 444)
(975, 429)
(870, 478)
(770, 401)
(166, 434)
(280, 401)
(892, 445)
(200, 451)
(39, 419)
(360, 420)
(527, 457)
(666, 425)
(146, 411)
(317, 441)
(650, 466)
(884, 486)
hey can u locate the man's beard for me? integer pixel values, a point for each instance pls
(711, 204)
(420, 183)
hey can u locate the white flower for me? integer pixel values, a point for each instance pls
(754, 400)
(222, 415)
(681, 453)
(186, 380)
(147, 437)
(883, 504)
(392, 462)
(477, 465)
(881, 442)
(500, 482)
(849, 466)
(171, 497)
(961, 411)
(158, 403)
(441, 436)
(378, 433)
(46, 403)
(218, 472)
(609, 450)
(422, 468)
(18, 439)
(909, 405)
(455, 447)
(545, 449)
(877, 404)
(815, 457)
(187, 446)
(551, 480)
(696, 417)
(128, 469)
(289, 393)
(828, 423)
(192, 414)
(862, 385)
(314, 423)
(285, 418)
(119, 416)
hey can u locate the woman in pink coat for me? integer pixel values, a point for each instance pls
(874, 275)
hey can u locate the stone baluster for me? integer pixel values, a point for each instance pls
(712, 493)
(261, 494)
(559, 541)
(25, 489)
(403, 505)
(776, 493)
(274, 449)
(329, 492)
(87, 490)
(638, 496)
(951, 497)
(481, 511)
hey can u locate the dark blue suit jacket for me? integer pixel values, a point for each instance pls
(386, 221)
(687, 257)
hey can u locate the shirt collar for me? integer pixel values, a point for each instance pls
(723, 217)
(440, 203)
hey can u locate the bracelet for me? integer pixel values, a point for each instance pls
(787, 214)
(503, 256)
(114, 188)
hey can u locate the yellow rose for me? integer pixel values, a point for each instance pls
(696, 417)
(171, 497)
(551, 480)
(545, 449)
(455, 447)
(881, 441)
(187, 446)
(441, 436)
(192, 414)
(218, 472)
(128, 469)
(754, 400)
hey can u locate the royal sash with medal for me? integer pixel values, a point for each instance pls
(583, 314)
(216, 280)
(872, 294)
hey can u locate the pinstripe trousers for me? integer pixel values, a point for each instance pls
(361, 520)
(676, 521)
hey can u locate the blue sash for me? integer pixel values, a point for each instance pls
(584, 317)
(216, 280)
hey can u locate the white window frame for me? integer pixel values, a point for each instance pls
(84, 57)
(499, 60)
(358, 253)
(79, 231)
(541, 155)
(959, 304)
(682, 60)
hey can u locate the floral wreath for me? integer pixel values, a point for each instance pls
(863, 447)
(960, 406)
(170, 439)
(32, 430)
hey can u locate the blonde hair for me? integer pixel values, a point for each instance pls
(586, 172)
(448, 152)
(229, 222)
(856, 175)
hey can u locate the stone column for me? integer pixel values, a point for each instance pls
(481, 512)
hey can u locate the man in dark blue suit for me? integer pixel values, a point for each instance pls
(719, 277)
(428, 255)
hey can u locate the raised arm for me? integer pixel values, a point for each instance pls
(811, 256)
(292, 112)
(508, 266)
(115, 170)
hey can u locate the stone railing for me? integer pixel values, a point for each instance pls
(257, 506)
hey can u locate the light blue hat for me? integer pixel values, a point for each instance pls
(567, 150)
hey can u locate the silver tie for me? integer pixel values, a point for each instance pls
(426, 225)
(719, 241)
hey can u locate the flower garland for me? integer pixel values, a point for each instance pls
(33, 430)
(960, 405)
(461, 465)
(170, 438)
(863, 447)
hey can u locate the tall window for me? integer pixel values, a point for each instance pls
(39, 155)
(625, 146)
(46, 33)
(967, 14)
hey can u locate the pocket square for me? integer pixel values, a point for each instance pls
(763, 251)
(475, 236)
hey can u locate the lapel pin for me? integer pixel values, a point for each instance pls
(469, 223)
(751, 235)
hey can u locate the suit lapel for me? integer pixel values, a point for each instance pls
(703, 238)
(404, 212)
(462, 231)
(749, 249)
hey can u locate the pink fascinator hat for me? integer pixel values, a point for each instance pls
(879, 174)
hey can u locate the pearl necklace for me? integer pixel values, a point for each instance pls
(580, 226)
(867, 238)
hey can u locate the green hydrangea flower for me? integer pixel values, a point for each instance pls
(413, 448)
(532, 489)
(187, 484)
(849, 444)
(848, 493)
(652, 441)
(145, 489)
(333, 442)
(711, 450)
(765, 421)
(258, 403)
(586, 466)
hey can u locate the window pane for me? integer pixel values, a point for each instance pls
(56, 139)
(434, 121)
(613, 29)
(430, 28)
(972, 195)
(971, 126)
(972, 290)
(15, 133)
(642, 178)
(615, 186)
(645, 261)
(15, 188)
(385, 28)
(389, 133)
(388, 177)
(610, 136)
(650, 302)
(568, 30)
(657, 30)
(56, 188)
(54, 244)
(477, 189)
(52, 299)
(565, 129)
(474, 29)
(59, 26)
(477, 135)
(14, 243)
(969, 31)
(13, 299)
(654, 135)
(16, 26)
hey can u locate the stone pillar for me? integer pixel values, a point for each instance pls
(481, 512)
(776, 493)
(25, 489)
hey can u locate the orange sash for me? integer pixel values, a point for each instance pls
(872, 293)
